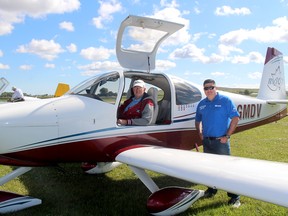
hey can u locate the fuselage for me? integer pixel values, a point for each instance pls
(81, 125)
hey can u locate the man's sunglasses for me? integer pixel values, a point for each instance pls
(209, 88)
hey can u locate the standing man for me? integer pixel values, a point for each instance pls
(216, 119)
(17, 95)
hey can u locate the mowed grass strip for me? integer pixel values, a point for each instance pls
(68, 192)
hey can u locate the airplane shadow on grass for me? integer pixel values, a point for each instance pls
(66, 190)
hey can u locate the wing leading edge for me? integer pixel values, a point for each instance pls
(259, 179)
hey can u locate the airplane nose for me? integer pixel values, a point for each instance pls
(24, 124)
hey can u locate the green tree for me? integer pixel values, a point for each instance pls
(247, 92)
(103, 91)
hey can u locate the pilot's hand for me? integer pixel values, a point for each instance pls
(122, 122)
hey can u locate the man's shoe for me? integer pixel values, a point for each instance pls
(234, 202)
(209, 194)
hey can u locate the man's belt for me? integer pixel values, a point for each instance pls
(212, 138)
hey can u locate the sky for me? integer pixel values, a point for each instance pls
(44, 42)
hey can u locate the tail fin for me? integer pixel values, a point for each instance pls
(272, 85)
(62, 88)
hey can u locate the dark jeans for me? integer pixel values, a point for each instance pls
(216, 147)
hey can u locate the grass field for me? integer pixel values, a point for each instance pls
(69, 192)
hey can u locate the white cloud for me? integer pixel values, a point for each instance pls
(256, 57)
(49, 65)
(250, 57)
(226, 50)
(211, 35)
(96, 54)
(197, 36)
(255, 75)
(185, 12)
(12, 12)
(105, 11)
(278, 32)
(97, 21)
(192, 73)
(4, 67)
(227, 10)
(217, 73)
(165, 3)
(25, 67)
(7, 19)
(96, 67)
(67, 26)
(196, 54)
(234, 37)
(43, 48)
(163, 65)
(196, 10)
(1, 53)
(172, 14)
(187, 51)
(72, 48)
(215, 58)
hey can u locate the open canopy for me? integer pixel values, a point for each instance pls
(138, 41)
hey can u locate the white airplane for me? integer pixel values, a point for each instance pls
(80, 126)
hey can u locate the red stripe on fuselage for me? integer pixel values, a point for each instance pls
(105, 149)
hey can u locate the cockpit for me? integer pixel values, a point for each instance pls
(108, 88)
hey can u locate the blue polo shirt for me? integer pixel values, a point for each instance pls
(215, 115)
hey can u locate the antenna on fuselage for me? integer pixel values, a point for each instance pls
(149, 65)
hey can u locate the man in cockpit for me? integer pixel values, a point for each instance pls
(138, 109)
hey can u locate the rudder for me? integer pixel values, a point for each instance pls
(62, 88)
(273, 78)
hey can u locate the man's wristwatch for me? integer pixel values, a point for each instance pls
(227, 136)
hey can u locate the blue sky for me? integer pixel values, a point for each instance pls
(44, 42)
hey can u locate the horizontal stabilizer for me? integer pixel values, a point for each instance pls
(277, 101)
(11, 202)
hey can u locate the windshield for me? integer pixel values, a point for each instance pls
(103, 87)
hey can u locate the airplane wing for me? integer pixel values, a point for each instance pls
(259, 179)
